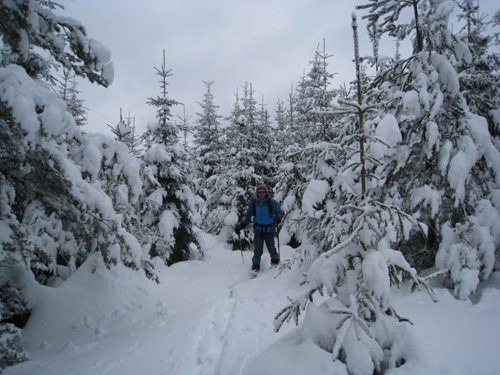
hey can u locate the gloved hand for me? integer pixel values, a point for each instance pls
(277, 222)
(239, 226)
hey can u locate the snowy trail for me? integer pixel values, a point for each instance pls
(210, 318)
(239, 325)
(212, 342)
(199, 320)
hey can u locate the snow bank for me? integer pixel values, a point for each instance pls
(94, 302)
(208, 317)
(295, 354)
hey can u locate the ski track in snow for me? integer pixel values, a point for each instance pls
(234, 326)
(215, 326)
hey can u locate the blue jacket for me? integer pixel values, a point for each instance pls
(266, 212)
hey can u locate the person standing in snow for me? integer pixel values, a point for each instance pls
(267, 216)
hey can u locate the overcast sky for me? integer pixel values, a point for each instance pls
(268, 43)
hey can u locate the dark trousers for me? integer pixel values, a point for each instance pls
(258, 241)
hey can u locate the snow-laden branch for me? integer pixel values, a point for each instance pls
(294, 309)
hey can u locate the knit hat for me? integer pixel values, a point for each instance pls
(260, 186)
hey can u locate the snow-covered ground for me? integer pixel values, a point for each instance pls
(209, 317)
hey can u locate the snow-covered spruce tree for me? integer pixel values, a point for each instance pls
(247, 162)
(291, 180)
(30, 26)
(68, 90)
(168, 207)
(288, 177)
(479, 81)
(208, 157)
(307, 128)
(207, 135)
(53, 217)
(280, 133)
(110, 165)
(314, 96)
(183, 123)
(495, 22)
(448, 177)
(291, 118)
(251, 161)
(256, 136)
(125, 132)
(285, 129)
(220, 212)
(294, 159)
(265, 126)
(346, 218)
(13, 314)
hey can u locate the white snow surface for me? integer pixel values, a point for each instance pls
(209, 317)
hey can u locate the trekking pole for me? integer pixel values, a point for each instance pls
(278, 238)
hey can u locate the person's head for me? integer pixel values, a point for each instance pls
(261, 191)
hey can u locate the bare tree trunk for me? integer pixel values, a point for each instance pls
(419, 42)
(360, 103)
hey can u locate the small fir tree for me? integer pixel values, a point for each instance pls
(125, 131)
(168, 209)
(207, 135)
(345, 219)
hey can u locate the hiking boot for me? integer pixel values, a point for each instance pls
(275, 262)
(255, 268)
